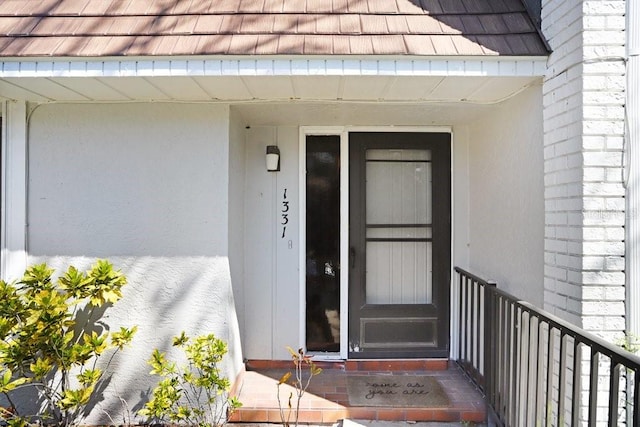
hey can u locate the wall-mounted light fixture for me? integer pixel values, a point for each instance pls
(273, 158)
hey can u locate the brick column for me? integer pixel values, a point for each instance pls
(583, 151)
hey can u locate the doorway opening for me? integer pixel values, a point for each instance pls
(377, 254)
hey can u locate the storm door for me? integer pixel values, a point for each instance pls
(399, 244)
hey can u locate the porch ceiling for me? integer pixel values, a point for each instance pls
(473, 89)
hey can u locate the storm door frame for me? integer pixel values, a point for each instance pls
(343, 133)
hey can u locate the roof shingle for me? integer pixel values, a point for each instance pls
(76, 28)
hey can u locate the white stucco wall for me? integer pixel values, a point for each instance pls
(146, 186)
(507, 196)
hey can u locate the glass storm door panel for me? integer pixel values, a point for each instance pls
(323, 243)
(399, 244)
(398, 226)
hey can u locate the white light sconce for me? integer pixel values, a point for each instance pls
(273, 158)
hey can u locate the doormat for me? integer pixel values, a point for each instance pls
(400, 391)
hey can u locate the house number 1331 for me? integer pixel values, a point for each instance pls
(284, 213)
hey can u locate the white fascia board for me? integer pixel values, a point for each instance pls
(484, 66)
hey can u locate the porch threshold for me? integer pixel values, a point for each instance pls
(327, 400)
(358, 364)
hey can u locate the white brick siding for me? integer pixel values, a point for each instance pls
(583, 96)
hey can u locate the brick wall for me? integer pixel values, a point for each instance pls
(583, 151)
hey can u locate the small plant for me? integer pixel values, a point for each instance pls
(51, 339)
(196, 393)
(126, 414)
(300, 361)
(630, 342)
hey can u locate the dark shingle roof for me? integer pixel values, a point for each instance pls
(90, 28)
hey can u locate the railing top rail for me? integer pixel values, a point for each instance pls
(473, 277)
(617, 354)
(602, 346)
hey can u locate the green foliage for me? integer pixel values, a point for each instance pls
(300, 362)
(630, 342)
(51, 339)
(196, 393)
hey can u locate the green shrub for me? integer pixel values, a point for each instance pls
(195, 393)
(51, 339)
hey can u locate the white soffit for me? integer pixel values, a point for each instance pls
(480, 79)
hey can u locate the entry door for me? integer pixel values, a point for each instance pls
(399, 244)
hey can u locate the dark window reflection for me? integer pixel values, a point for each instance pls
(323, 243)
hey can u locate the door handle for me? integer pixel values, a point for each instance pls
(352, 256)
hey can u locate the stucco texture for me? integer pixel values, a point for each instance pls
(506, 210)
(146, 186)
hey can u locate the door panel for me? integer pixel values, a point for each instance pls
(398, 273)
(399, 242)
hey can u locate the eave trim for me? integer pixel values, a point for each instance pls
(330, 66)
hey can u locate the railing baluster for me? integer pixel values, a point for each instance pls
(508, 358)
(551, 346)
(562, 379)
(593, 387)
(460, 324)
(577, 382)
(501, 355)
(515, 355)
(472, 306)
(467, 328)
(533, 370)
(489, 344)
(467, 302)
(478, 332)
(513, 363)
(463, 325)
(540, 400)
(636, 397)
(495, 348)
(524, 366)
(520, 370)
(614, 391)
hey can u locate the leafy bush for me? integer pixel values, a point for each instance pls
(51, 339)
(196, 393)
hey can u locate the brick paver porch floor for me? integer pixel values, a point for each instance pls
(326, 400)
